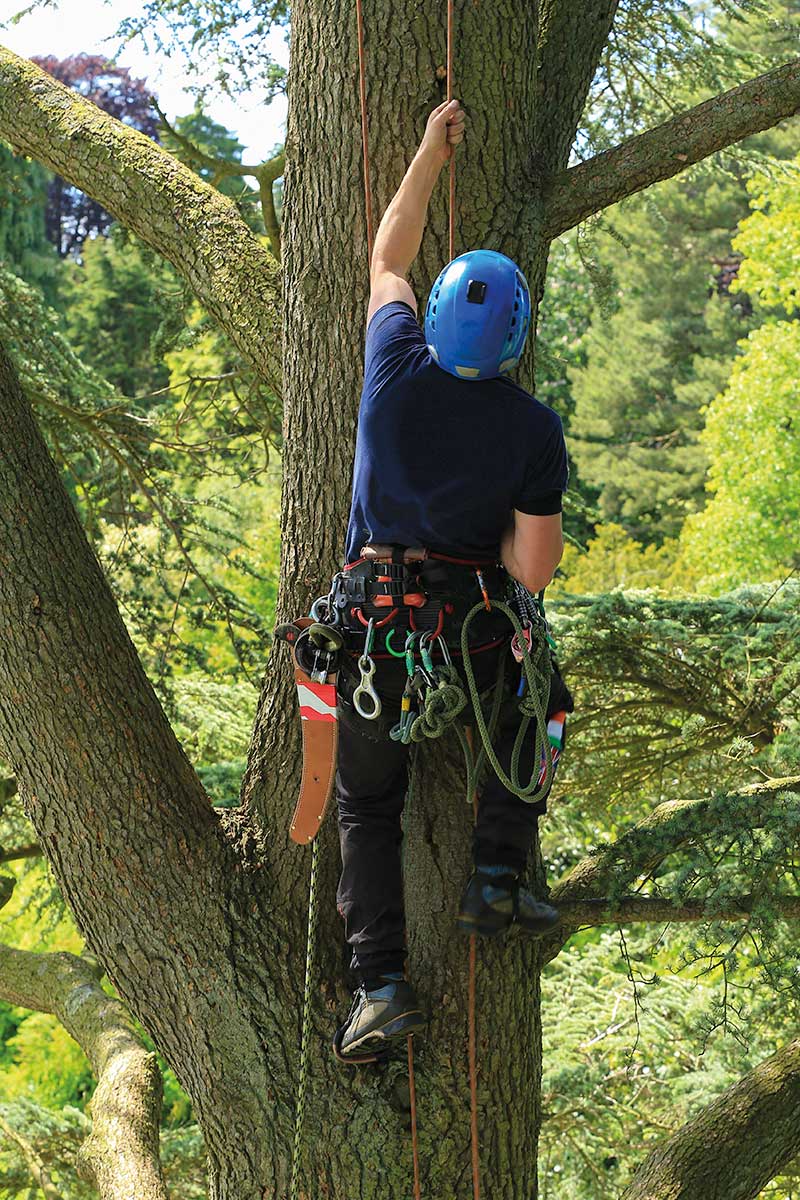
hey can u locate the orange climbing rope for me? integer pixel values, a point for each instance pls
(452, 220)
(473, 1053)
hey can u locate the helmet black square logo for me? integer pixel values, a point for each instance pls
(476, 291)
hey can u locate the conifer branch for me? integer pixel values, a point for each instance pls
(603, 878)
(35, 1164)
(736, 1144)
(664, 151)
(632, 910)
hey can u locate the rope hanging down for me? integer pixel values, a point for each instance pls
(305, 1031)
(451, 246)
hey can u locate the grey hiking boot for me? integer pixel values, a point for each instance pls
(493, 900)
(377, 1018)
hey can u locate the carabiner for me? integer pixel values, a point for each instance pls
(388, 644)
(409, 652)
(365, 689)
(445, 650)
(427, 668)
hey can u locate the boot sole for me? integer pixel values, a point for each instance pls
(374, 1044)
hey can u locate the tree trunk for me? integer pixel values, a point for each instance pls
(325, 299)
(200, 923)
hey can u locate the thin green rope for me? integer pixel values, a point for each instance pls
(305, 1035)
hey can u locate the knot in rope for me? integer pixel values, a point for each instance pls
(442, 705)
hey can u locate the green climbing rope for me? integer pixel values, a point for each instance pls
(533, 706)
(305, 1034)
(446, 699)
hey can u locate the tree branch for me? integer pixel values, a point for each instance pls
(571, 40)
(605, 875)
(118, 809)
(122, 1150)
(630, 910)
(36, 1168)
(266, 177)
(662, 152)
(162, 201)
(32, 850)
(222, 167)
(736, 1144)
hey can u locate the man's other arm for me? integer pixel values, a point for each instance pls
(531, 549)
(400, 232)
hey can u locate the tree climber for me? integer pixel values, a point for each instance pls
(457, 485)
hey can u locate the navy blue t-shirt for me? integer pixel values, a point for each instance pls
(441, 461)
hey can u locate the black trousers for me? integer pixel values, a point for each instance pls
(371, 785)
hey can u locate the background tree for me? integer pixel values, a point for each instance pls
(751, 434)
(191, 911)
(72, 216)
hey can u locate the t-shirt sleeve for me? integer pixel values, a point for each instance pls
(545, 478)
(393, 337)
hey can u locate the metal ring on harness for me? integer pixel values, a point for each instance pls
(367, 668)
(356, 612)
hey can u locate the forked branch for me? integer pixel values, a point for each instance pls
(162, 201)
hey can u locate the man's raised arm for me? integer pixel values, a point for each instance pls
(400, 232)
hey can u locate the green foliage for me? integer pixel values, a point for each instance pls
(117, 302)
(47, 1067)
(629, 1056)
(748, 529)
(612, 560)
(55, 1137)
(213, 720)
(657, 355)
(642, 666)
(168, 485)
(24, 247)
(231, 40)
(668, 309)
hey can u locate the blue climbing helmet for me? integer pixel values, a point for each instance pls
(478, 315)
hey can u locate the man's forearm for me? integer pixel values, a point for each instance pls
(400, 232)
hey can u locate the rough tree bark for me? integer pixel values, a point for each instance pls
(121, 1155)
(753, 1127)
(191, 916)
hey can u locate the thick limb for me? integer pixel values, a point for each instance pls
(122, 1151)
(662, 152)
